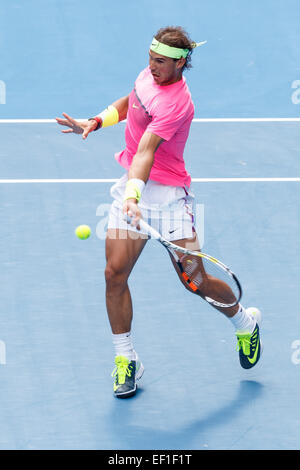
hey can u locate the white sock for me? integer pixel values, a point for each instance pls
(242, 321)
(123, 345)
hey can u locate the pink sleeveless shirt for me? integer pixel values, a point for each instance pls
(166, 111)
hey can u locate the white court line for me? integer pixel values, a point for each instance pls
(47, 121)
(246, 120)
(27, 121)
(113, 180)
(56, 180)
(245, 180)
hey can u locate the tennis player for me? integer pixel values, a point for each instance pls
(156, 186)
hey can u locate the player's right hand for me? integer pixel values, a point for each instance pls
(131, 209)
(77, 127)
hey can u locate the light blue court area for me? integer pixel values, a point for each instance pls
(56, 354)
(62, 57)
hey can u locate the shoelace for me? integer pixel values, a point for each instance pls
(122, 369)
(244, 342)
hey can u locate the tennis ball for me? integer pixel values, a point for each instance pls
(83, 232)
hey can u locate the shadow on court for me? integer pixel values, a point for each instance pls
(142, 437)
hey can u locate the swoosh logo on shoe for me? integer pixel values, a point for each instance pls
(253, 360)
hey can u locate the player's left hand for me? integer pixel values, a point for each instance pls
(76, 127)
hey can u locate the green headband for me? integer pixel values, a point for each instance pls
(172, 52)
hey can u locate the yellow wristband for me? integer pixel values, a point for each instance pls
(109, 116)
(134, 188)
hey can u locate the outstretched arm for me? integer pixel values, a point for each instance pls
(87, 126)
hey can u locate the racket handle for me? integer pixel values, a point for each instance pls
(145, 227)
(150, 230)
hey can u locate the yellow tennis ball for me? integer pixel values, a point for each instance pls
(83, 232)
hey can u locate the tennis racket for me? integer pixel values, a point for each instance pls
(201, 273)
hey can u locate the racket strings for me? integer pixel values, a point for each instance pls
(192, 269)
(209, 280)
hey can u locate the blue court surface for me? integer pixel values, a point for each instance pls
(56, 353)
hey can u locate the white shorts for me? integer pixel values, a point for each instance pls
(168, 209)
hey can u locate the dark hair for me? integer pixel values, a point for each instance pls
(176, 36)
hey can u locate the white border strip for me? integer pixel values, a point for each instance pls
(49, 121)
(113, 180)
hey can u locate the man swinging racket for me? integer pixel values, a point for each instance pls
(156, 187)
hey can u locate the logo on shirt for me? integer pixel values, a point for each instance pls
(135, 106)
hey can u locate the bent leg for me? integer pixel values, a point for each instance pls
(122, 251)
(210, 286)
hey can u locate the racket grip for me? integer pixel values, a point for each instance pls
(145, 227)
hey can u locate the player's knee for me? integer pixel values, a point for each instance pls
(115, 276)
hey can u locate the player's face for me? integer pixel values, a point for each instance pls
(165, 70)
